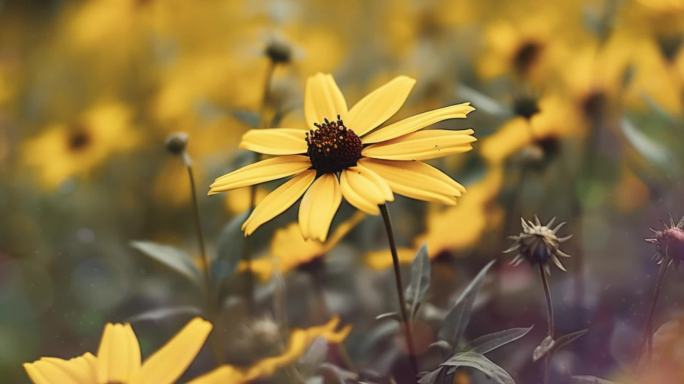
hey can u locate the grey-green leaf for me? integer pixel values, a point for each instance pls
(420, 279)
(174, 258)
(482, 364)
(249, 118)
(648, 148)
(589, 380)
(569, 338)
(457, 319)
(165, 312)
(438, 376)
(492, 341)
(543, 348)
(483, 102)
(229, 249)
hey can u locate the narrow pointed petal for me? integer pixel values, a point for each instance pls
(417, 122)
(318, 207)
(365, 189)
(167, 364)
(323, 100)
(422, 145)
(261, 172)
(558, 264)
(275, 141)
(559, 226)
(278, 201)
(416, 179)
(118, 356)
(379, 105)
(224, 374)
(50, 370)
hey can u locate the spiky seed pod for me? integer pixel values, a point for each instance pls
(669, 243)
(538, 244)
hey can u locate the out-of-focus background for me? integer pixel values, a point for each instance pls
(579, 116)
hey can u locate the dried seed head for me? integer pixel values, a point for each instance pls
(669, 243)
(538, 244)
(176, 143)
(279, 52)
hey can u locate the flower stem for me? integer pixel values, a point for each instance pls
(549, 319)
(648, 329)
(400, 289)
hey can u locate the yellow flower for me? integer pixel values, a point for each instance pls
(290, 250)
(299, 342)
(344, 155)
(64, 151)
(118, 359)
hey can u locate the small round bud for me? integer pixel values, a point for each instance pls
(279, 52)
(538, 244)
(176, 143)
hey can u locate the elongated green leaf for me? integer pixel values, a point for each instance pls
(229, 249)
(482, 364)
(567, 339)
(650, 149)
(589, 380)
(544, 348)
(249, 118)
(492, 341)
(483, 102)
(165, 312)
(420, 279)
(173, 258)
(457, 319)
(438, 376)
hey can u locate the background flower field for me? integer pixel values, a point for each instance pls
(578, 115)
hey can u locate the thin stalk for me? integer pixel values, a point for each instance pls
(648, 329)
(549, 319)
(247, 249)
(400, 289)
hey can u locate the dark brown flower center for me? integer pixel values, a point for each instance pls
(526, 55)
(333, 147)
(525, 106)
(78, 139)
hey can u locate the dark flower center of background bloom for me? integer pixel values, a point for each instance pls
(333, 147)
(78, 139)
(526, 55)
(525, 106)
(594, 103)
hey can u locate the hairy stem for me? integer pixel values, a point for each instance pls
(549, 319)
(648, 328)
(400, 289)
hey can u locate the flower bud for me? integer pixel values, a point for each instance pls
(176, 143)
(279, 52)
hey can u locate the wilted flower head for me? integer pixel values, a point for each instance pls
(538, 244)
(669, 243)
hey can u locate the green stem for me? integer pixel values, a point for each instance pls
(648, 329)
(400, 289)
(549, 319)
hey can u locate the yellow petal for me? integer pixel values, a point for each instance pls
(278, 201)
(318, 207)
(169, 362)
(276, 141)
(509, 139)
(225, 374)
(416, 179)
(118, 357)
(382, 259)
(323, 100)
(364, 189)
(417, 122)
(51, 370)
(260, 172)
(379, 105)
(422, 145)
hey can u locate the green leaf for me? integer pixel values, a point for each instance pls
(651, 150)
(549, 345)
(388, 316)
(438, 376)
(482, 364)
(543, 348)
(483, 102)
(334, 374)
(165, 312)
(492, 341)
(569, 338)
(249, 118)
(229, 249)
(457, 319)
(589, 380)
(420, 280)
(174, 258)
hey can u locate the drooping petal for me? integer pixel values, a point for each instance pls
(422, 145)
(365, 189)
(169, 362)
(379, 105)
(318, 207)
(278, 201)
(275, 141)
(260, 172)
(50, 370)
(118, 357)
(416, 179)
(417, 122)
(222, 375)
(323, 100)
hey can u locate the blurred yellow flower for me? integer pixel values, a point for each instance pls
(237, 200)
(290, 250)
(300, 340)
(118, 359)
(332, 161)
(67, 150)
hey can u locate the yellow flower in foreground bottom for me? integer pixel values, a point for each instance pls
(118, 359)
(342, 154)
(290, 250)
(299, 342)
